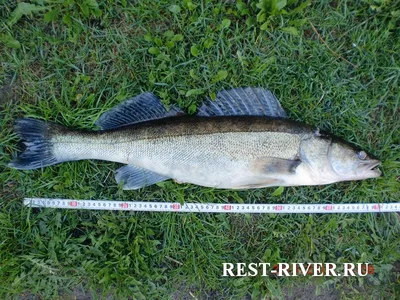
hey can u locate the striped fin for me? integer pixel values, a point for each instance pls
(140, 108)
(135, 178)
(246, 101)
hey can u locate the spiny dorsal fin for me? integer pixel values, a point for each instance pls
(135, 178)
(140, 108)
(243, 102)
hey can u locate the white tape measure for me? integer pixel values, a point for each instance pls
(212, 207)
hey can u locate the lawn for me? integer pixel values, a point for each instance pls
(332, 64)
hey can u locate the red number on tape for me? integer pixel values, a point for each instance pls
(176, 206)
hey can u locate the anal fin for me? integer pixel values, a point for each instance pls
(135, 178)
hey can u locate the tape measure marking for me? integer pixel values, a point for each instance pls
(212, 207)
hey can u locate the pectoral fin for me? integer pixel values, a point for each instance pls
(135, 178)
(275, 166)
(269, 171)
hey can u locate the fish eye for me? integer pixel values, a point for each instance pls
(362, 155)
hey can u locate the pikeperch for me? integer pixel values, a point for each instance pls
(241, 140)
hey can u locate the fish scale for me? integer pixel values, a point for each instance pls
(179, 153)
(208, 159)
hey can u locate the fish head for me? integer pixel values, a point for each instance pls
(329, 159)
(351, 163)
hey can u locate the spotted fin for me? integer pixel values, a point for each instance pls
(141, 108)
(246, 101)
(135, 178)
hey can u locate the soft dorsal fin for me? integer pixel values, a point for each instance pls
(243, 102)
(135, 178)
(140, 108)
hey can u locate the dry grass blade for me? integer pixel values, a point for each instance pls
(333, 52)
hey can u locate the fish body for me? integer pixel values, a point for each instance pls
(225, 150)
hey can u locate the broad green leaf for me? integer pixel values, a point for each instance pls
(92, 4)
(85, 9)
(265, 26)
(175, 9)
(266, 62)
(221, 75)
(194, 50)
(240, 5)
(177, 38)
(106, 278)
(67, 19)
(291, 30)
(278, 191)
(154, 50)
(250, 21)
(96, 12)
(396, 13)
(9, 41)
(376, 8)
(170, 44)
(208, 43)
(193, 74)
(158, 41)
(194, 92)
(261, 17)
(23, 9)
(300, 8)
(190, 5)
(226, 23)
(163, 56)
(297, 23)
(280, 4)
(51, 15)
(148, 37)
(169, 34)
(192, 108)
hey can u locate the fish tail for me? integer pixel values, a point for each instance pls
(36, 137)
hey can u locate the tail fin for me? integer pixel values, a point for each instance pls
(36, 136)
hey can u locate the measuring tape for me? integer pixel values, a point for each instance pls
(212, 207)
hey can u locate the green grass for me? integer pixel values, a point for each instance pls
(71, 73)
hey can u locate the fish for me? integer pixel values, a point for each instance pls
(241, 140)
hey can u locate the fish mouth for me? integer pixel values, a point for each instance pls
(371, 168)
